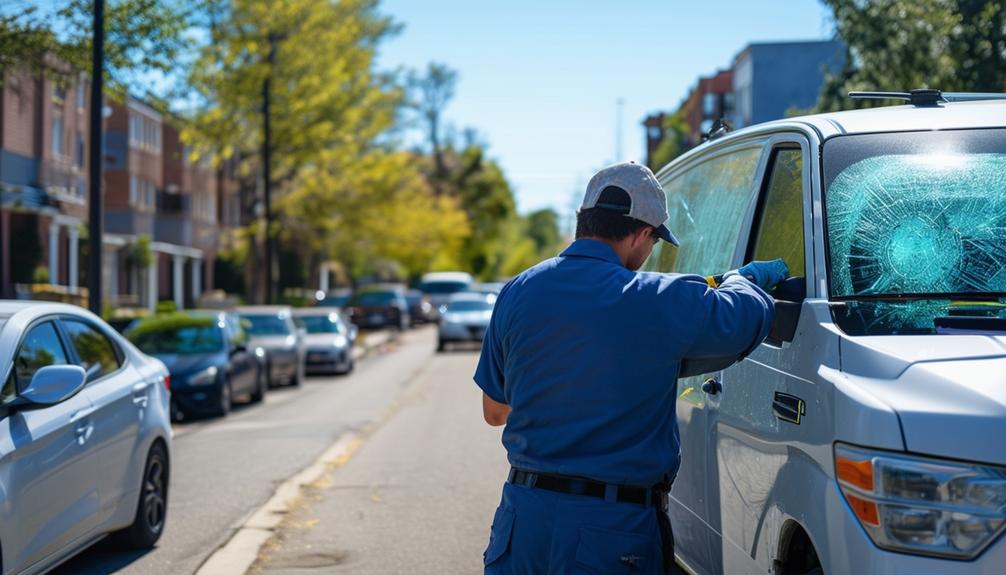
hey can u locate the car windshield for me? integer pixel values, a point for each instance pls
(916, 224)
(266, 325)
(374, 298)
(469, 305)
(442, 287)
(320, 323)
(180, 335)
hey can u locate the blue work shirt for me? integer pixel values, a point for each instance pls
(586, 353)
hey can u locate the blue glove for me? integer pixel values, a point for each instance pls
(765, 275)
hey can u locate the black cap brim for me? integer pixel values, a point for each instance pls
(666, 235)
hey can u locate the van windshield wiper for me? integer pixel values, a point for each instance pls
(992, 296)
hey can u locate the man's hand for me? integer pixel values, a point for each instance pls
(765, 275)
(493, 411)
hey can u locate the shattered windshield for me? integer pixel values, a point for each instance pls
(915, 216)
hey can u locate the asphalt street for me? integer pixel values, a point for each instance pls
(225, 469)
(417, 496)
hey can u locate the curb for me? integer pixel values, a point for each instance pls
(369, 343)
(241, 551)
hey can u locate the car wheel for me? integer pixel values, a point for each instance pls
(260, 386)
(151, 511)
(226, 399)
(349, 367)
(298, 379)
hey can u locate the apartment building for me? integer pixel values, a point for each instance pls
(164, 207)
(43, 181)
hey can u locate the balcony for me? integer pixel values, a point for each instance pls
(174, 218)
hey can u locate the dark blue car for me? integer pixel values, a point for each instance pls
(208, 356)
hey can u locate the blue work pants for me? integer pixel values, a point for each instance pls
(539, 532)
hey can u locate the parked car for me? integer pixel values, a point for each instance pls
(440, 286)
(209, 359)
(329, 338)
(335, 298)
(464, 319)
(272, 329)
(380, 305)
(85, 437)
(865, 434)
(420, 308)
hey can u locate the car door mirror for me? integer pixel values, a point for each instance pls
(51, 385)
(789, 296)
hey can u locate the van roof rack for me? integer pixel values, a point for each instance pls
(928, 97)
(719, 129)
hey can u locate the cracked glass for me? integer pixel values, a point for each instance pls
(705, 205)
(916, 223)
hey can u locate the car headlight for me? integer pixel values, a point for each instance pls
(341, 341)
(204, 377)
(259, 352)
(921, 505)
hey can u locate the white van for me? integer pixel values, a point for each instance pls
(866, 434)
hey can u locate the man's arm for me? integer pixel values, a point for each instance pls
(738, 316)
(494, 412)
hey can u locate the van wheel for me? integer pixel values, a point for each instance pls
(151, 511)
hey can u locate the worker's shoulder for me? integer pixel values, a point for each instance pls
(659, 283)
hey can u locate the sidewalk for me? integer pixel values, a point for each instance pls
(416, 496)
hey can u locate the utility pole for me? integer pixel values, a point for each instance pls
(95, 211)
(619, 104)
(267, 171)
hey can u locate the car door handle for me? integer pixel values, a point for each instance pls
(712, 386)
(140, 395)
(82, 414)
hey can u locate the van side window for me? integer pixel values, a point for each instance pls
(779, 231)
(706, 204)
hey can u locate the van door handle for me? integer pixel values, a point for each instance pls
(712, 386)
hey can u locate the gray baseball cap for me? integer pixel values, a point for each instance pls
(648, 203)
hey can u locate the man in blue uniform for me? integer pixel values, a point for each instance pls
(581, 361)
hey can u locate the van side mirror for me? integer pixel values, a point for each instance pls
(50, 385)
(789, 296)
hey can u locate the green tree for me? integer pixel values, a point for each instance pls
(543, 229)
(675, 142)
(141, 36)
(898, 45)
(431, 92)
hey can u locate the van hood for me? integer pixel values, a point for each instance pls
(949, 391)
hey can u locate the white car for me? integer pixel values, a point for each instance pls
(85, 437)
(439, 287)
(464, 318)
(865, 435)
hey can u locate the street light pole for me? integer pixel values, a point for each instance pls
(267, 170)
(95, 211)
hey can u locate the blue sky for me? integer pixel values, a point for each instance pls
(540, 79)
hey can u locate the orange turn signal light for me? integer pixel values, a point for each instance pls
(865, 510)
(856, 473)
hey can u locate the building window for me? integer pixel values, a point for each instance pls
(134, 196)
(78, 155)
(57, 135)
(134, 130)
(709, 104)
(58, 93)
(81, 94)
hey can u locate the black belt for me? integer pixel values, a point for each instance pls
(655, 496)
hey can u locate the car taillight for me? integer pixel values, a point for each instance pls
(922, 505)
(167, 382)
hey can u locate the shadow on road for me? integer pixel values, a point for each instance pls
(100, 559)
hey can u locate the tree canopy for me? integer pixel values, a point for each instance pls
(899, 45)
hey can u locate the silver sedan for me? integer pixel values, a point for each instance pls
(464, 318)
(85, 437)
(329, 339)
(272, 330)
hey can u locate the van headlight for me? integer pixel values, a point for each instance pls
(921, 505)
(204, 377)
